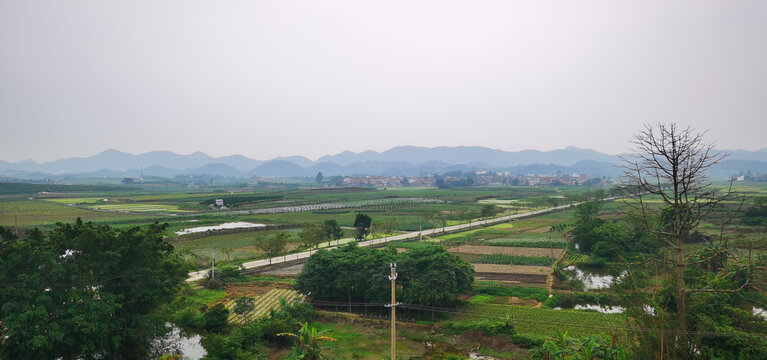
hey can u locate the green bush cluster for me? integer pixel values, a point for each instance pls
(489, 328)
(253, 340)
(428, 274)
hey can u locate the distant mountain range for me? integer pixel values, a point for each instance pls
(402, 160)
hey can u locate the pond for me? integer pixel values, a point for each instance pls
(592, 279)
(178, 342)
(229, 225)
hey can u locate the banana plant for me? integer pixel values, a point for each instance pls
(308, 342)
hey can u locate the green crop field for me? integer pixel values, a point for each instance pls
(546, 322)
(29, 213)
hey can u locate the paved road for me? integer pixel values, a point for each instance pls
(197, 275)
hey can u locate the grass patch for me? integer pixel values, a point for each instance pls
(481, 299)
(548, 322)
(206, 296)
(526, 293)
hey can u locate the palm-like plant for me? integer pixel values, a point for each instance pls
(308, 342)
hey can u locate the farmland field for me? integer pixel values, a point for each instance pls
(506, 250)
(139, 208)
(263, 304)
(512, 269)
(36, 213)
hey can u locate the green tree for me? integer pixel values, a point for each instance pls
(362, 223)
(349, 273)
(85, 289)
(318, 179)
(272, 245)
(490, 210)
(332, 230)
(215, 317)
(312, 235)
(430, 275)
(586, 220)
(385, 227)
(243, 305)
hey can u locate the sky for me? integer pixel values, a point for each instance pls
(284, 77)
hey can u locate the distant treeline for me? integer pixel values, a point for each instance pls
(237, 200)
(7, 188)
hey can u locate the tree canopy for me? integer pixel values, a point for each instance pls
(429, 275)
(362, 224)
(85, 289)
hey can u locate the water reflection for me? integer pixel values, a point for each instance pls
(178, 342)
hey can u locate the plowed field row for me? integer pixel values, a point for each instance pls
(522, 251)
(263, 304)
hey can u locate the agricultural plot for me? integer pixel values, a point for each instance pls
(536, 243)
(263, 304)
(548, 322)
(519, 274)
(507, 250)
(41, 213)
(140, 208)
(509, 269)
(230, 247)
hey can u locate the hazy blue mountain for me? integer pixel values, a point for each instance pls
(117, 160)
(280, 168)
(327, 169)
(347, 157)
(216, 169)
(401, 160)
(470, 154)
(298, 160)
(734, 167)
(154, 170)
(759, 155)
(239, 162)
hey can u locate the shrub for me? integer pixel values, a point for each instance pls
(215, 317)
(489, 328)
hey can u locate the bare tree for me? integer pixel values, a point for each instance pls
(670, 163)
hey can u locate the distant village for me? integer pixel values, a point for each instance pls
(478, 178)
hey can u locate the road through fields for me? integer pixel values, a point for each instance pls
(198, 275)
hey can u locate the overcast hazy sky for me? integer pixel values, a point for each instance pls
(272, 78)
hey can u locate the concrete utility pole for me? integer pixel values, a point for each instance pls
(212, 265)
(393, 305)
